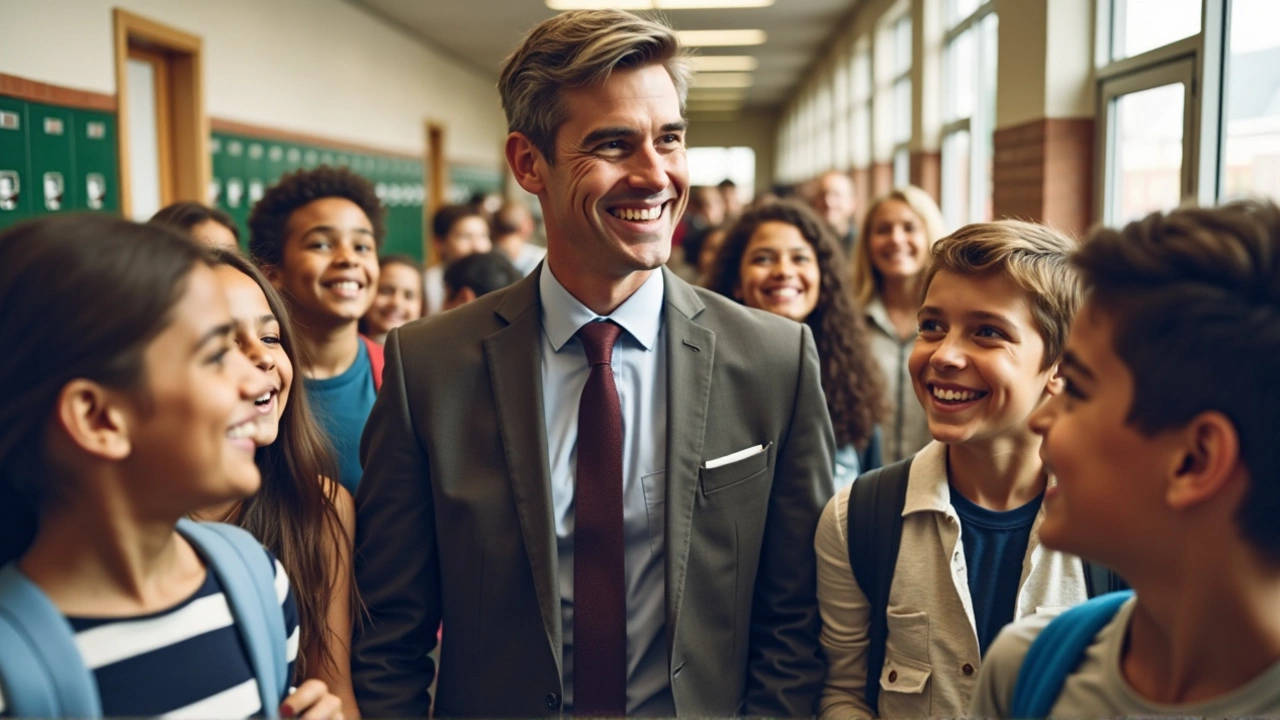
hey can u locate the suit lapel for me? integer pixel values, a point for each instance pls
(515, 371)
(690, 355)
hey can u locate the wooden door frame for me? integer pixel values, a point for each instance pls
(185, 152)
(436, 175)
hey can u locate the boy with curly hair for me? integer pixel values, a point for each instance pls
(316, 234)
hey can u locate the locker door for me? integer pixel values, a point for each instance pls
(16, 188)
(235, 184)
(52, 148)
(217, 167)
(255, 172)
(97, 170)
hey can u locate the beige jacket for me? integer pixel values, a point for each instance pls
(907, 429)
(932, 656)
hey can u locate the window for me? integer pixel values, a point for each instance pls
(901, 112)
(968, 109)
(1146, 148)
(1250, 163)
(861, 99)
(710, 166)
(1139, 26)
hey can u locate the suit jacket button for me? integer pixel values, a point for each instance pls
(967, 669)
(553, 701)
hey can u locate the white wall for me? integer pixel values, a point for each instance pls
(323, 67)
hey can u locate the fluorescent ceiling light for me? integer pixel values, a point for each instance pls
(721, 38)
(655, 4)
(723, 80)
(724, 63)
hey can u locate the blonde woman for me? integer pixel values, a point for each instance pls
(888, 266)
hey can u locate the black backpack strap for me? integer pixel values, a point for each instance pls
(1101, 580)
(876, 501)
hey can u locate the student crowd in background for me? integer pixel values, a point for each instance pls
(873, 469)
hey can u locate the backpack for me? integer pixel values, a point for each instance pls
(876, 501)
(43, 675)
(1057, 652)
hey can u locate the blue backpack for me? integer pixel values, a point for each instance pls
(1057, 652)
(43, 675)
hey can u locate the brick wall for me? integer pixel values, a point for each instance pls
(1043, 171)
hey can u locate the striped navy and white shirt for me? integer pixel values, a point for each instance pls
(184, 662)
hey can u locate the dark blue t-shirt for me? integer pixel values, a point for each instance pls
(342, 404)
(995, 544)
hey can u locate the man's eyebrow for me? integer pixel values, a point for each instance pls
(1071, 360)
(678, 126)
(609, 133)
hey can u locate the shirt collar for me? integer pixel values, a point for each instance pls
(562, 314)
(927, 487)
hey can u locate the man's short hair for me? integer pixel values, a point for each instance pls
(1193, 297)
(578, 49)
(446, 217)
(1035, 257)
(269, 220)
(511, 218)
(482, 272)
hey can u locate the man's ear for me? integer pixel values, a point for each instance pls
(1207, 460)
(526, 162)
(94, 419)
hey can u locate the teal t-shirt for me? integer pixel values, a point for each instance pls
(342, 406)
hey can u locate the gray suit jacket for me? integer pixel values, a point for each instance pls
(455, 516)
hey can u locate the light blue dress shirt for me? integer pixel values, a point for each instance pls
(640, 373)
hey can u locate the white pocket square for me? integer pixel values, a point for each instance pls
(733, 457)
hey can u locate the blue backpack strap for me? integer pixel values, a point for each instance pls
(244, 569)
(1056, 653)
(41, 671)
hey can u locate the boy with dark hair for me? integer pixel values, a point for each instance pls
(1168, 471)
(921, 563)
(476, 276)
(316, 235)
(456, 232)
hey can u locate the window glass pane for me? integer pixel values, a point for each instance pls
(902, 46)
(1251, 150)
(1142, 25)
(958, 10)
(901, 167)
(862, 135)
(1147, 171)
(902, 110)
(961, 61)
(956, 171)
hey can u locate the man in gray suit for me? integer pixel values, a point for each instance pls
(603, 482)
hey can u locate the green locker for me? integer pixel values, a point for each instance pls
(51, 143)
(277, 165)
(97, 170)
(235, 190)
(257, 171)
(16, 188)
(292, 158)
(217, 171)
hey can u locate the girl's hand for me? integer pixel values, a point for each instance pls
(312, 701)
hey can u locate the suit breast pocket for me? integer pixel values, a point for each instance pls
(736, 480)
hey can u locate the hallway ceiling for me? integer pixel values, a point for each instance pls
(483, 32)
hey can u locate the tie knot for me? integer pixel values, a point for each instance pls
(598, 339)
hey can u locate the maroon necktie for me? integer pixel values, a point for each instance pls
(599, 580)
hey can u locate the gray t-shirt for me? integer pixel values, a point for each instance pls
(1097, 688)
